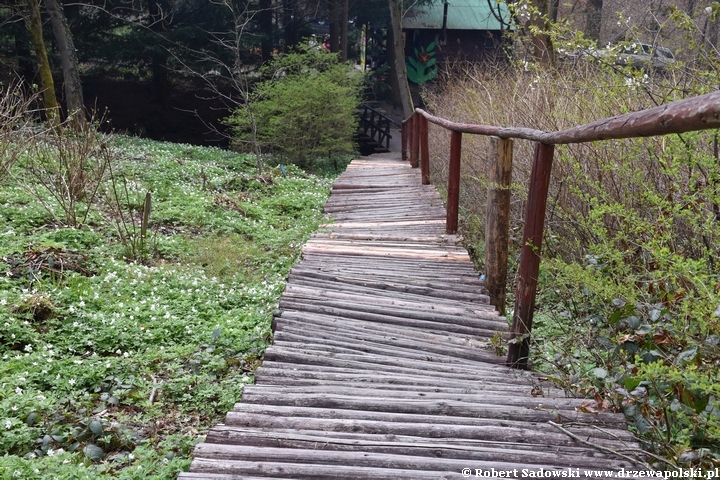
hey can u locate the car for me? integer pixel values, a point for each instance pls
(642, 56)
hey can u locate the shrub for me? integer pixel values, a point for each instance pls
(627, 308)
(304, 110)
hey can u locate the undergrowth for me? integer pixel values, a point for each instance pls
(116, 361)
(628, 309)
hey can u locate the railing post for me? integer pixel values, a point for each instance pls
(454, 182)
(424, 151)
(530, 257)
(403, 139)
(497, 220)
(415, 142)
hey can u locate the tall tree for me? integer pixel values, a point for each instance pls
(399, 57)
(344, 12)
(542, 47)
(68, 61)
(334, 15)
(265, 21)
(34, 26)
(594, 19)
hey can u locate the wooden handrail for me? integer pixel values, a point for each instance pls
(688, 115)
(692, 114)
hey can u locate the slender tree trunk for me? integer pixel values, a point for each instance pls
(334, 19)
(68, 60)
(344, 4)
(554, 9)
(542, 47)
(594, 19)
(265, 17)
(24, 55)
(34, 25)
(399, 54)
(290, 23)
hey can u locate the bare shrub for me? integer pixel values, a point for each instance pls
(16, 125)
(628, 291)
(64, 168)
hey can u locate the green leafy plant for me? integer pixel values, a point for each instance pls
(113, 368)
(303, 111)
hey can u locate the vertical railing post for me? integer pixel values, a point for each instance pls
(403, 139)
(497, 220)
(530, 257)
(424, 151)
(453, 196)
(415, 144)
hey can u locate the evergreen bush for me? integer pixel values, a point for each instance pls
(305, 109)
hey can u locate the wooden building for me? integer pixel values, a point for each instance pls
(469, 30)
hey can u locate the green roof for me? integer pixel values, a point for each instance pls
(462, 15)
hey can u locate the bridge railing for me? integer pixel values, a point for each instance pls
(692, 114)
(376, 125)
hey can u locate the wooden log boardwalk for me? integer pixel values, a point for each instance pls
(382, 365)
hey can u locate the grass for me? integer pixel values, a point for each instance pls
(116, 367)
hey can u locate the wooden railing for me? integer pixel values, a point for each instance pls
(692, 114)
(376, 126)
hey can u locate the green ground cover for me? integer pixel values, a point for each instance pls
(118, 350)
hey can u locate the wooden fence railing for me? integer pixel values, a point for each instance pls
(376, 126)
(692, 114)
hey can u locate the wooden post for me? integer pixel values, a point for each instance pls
(424, 151)
(530, 257)
(497, 220)
(454, 182)
(403, 139)
(415, 143)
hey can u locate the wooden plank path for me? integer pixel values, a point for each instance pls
(382, 366)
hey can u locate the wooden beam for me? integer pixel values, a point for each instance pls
(424, 151)
(530, 257)
(453, 199)
(498, 220)
(415, 142)
(403, 139)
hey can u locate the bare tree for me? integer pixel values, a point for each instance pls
(34, 26)
(68, 61)
(398, 48)
(594, 19)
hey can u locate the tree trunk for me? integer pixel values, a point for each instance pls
(290, 23)
(542, 47)
(398, 48)
(334, 15)
(26, 68)
(68, 60)
(554, 8)
(34, 25)
(594, 19)
(344, 29)
(265, 17)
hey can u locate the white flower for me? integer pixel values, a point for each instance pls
(14, 408)
(71, 381)
(28, 348)
(18, 390)
(81, 304)
(3, 302)
(8, 424)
